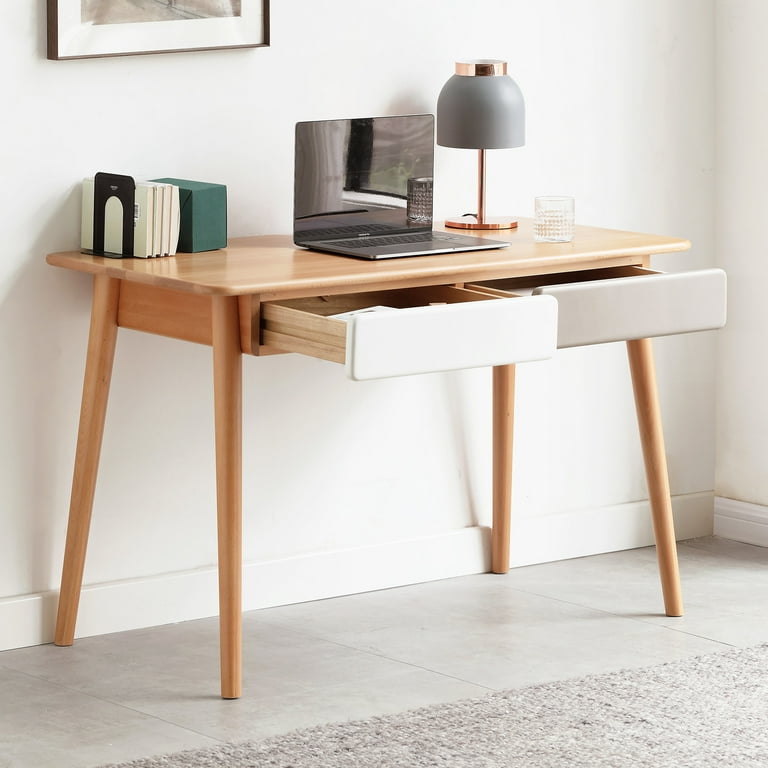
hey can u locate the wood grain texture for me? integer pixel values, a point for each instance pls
(151, 309)
(271, 267)
(503, 429)
(228, 409)
(640, 352)
(98, 374)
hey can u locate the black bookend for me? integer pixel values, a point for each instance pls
(106, 186)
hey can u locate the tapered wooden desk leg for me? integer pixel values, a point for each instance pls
(503, 423)
(227, 385)
(641, 364)
(98, 373)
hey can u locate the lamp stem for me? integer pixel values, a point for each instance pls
(479, 220)
(481, 186)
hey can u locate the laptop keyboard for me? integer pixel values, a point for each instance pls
(373, 242)
(327, 233)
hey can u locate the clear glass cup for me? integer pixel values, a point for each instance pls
(554, 219)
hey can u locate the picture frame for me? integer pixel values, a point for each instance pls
(187, 25)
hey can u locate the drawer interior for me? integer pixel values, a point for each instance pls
(310, 325)
(525, 285)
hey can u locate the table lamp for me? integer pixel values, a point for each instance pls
(481, 107)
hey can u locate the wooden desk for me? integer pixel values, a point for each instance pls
(216, 298)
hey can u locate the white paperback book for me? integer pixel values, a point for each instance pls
(144, 221)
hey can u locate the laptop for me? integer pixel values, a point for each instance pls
(351, 189)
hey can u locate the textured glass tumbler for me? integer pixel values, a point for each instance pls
(420, 199)
(553, 220)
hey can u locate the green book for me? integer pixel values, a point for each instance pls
(202, 215)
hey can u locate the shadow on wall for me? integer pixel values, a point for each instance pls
(41, 311)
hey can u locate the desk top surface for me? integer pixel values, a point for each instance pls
(271, 266)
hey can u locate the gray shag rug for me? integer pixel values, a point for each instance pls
(709, 711)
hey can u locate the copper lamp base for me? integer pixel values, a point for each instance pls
(470, 221)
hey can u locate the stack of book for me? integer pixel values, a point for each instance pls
(121, 217)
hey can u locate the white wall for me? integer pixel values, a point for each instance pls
(340, 477)
(742, 202)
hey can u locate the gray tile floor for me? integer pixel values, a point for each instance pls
(133, 694)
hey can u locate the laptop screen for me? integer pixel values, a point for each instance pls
(352, 177)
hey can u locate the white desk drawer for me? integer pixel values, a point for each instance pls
(438, 328)
(623, 303)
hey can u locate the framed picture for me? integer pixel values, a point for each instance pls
(87, 28)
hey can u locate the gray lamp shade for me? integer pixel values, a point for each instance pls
(481, 107)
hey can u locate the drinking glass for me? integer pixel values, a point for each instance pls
(553, 219)
(420, 199)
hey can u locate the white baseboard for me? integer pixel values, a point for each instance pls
(187, 595)
(741, 521)
(183, 596)
(605, 529)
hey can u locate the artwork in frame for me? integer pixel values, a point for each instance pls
(88, 28)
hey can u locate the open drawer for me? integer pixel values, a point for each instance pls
(413, 330)
(622, 303)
